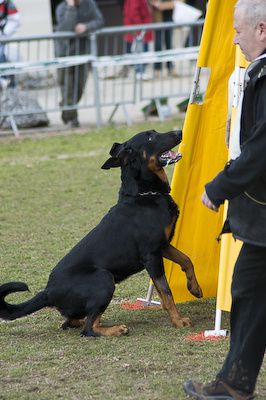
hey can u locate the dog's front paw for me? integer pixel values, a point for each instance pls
(194, 289)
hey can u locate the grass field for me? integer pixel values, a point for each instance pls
(52, 192)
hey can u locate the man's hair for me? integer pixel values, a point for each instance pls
(255, 10)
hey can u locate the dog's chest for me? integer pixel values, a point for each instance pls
(173, 215)
(160, 215)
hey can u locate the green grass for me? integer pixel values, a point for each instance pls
(52, 192)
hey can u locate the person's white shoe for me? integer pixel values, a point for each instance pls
(4, 83)
(146, 77)
(143, 76)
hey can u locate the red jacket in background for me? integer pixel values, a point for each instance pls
(137, 12)
(9, 18)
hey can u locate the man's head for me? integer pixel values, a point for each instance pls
(250, 27)
(72, 2)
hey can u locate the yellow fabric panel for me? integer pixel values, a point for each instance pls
(204, 154)
(229, 252)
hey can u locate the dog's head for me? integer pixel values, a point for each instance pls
(144, 156)
(150, 146)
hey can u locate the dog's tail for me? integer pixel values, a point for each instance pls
(14, 311)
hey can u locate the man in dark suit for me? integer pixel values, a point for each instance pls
(79, 16)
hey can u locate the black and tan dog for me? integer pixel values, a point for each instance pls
(135, 234)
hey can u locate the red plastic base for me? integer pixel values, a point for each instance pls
(200, 337)
(139, 305)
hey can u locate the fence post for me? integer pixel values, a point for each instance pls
(97, 99)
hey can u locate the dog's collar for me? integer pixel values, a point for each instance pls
(150, 193)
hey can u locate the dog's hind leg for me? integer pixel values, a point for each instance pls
(100, 293)
(115, 330)
(88, 328)
(171, 253)
(94, 328)
(73, 323)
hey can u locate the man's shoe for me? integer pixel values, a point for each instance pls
(65, 119)
(216, 390)
(74, 123)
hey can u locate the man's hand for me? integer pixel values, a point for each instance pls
(156, 4)
(162, 5)
(207, 202)
(70, 3)
(80, 28)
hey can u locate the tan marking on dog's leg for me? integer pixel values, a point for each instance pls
(168, 231)
(171, 253)
(73, 323)
(168, 303)
(77, 323)
(116, 330)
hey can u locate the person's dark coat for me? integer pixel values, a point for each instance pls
(243, 180)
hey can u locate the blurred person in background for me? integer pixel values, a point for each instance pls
(162, 11)
(137, 12)
(9, 24)
(81, 17)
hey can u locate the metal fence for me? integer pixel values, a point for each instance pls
(108, 66)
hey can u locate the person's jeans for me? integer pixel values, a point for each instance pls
(163, 39)
(2, 55)
(3, 59)
(139, 68)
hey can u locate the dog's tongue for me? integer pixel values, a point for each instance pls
(170, 157)
(170, 154)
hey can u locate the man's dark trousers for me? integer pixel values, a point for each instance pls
(248, 320)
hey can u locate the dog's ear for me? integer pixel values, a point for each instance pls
(112, 162)
(119, 152)
(116, 149)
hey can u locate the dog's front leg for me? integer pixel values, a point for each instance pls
(165, 294)
(154, 266)
(171, 253)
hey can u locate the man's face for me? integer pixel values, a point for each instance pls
(245, 35)
(250, 38)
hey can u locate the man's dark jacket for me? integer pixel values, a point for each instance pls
(243, 180)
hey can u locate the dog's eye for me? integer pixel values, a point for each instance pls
(150, 138)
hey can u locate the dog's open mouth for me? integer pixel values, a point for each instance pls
(169, 157)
